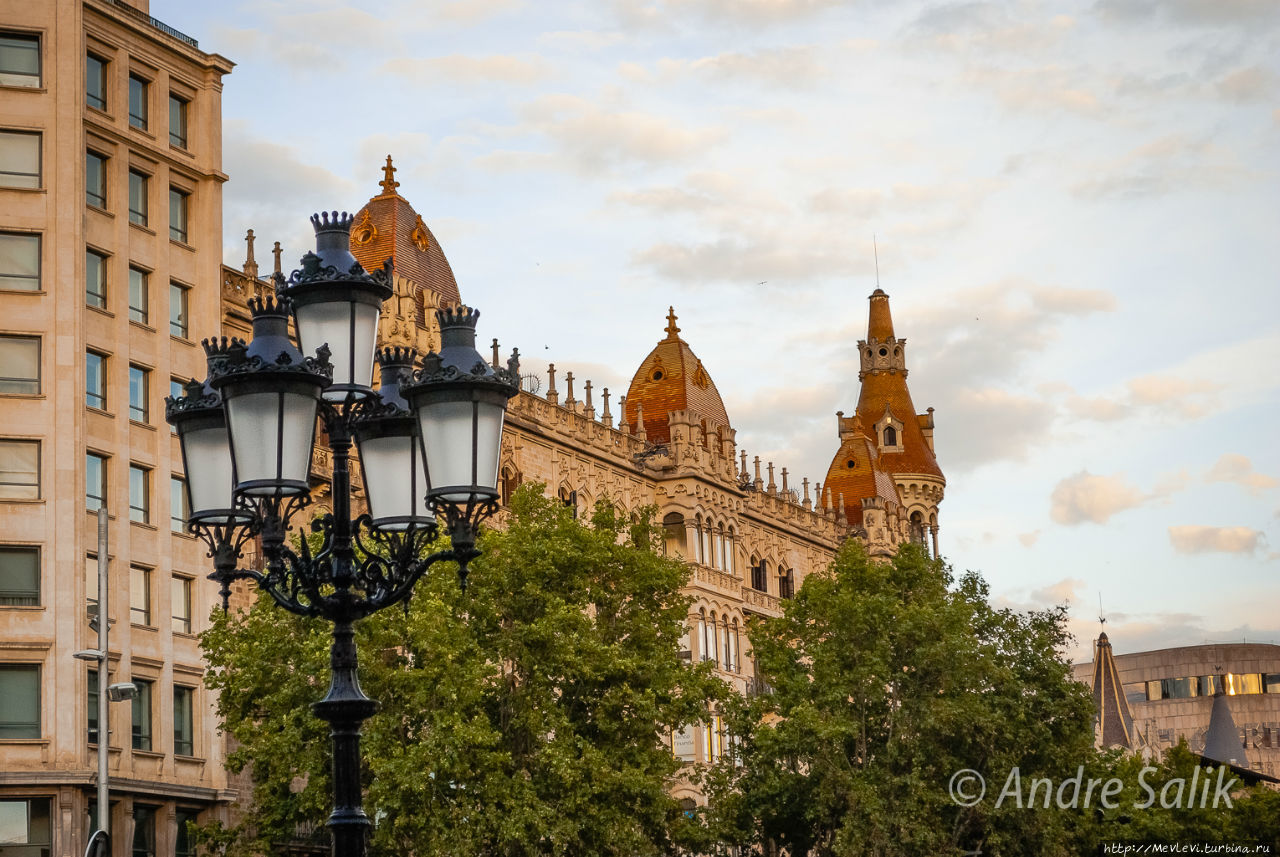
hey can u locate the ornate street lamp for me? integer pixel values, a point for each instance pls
(428, 444)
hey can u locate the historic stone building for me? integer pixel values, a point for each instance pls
(110, 248)
(750, 536)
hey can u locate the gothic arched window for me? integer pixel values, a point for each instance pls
(890, 436)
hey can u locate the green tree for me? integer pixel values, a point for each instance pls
(527, 716)
(886, 680)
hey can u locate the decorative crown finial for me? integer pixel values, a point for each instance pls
(388, 183)
(459, 316)
(327, 221)
(672, 330)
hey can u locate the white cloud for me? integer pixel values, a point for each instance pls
(1238, 469)
(1087, 498)
(1201, 539)
(793, 67)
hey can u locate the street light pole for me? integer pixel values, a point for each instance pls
(104, 710)
(427, 440)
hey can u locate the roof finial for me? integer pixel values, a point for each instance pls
(389, 183)
(250, 264)
(672, 330)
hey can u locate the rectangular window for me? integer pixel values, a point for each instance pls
(180, 597)
(95, 82)
(19, 60)
(95, 380)
(1271, 683)
(95, 279)
(139, 400)
(95, 488)
(139, 494)
(177, 122)
(19, 470)
(178, 215)
(142, 716)
(19, 261)
(137, 198)
(19, 701)
(20, 365)
(144, 831)
(138, 102)
(95, 179)
(19, 159)
(183, 721)
(178, 310)
(91, 583)
(25, 830)
(178, 511)
(183, 846)
(140, 595)
(93, 707)
(19, 576)
(138, 294)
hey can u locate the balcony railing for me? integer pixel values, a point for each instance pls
(159, 25)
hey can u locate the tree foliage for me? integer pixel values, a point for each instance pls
(886, 680)
(525, 717)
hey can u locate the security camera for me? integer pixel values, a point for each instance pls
(121, 692)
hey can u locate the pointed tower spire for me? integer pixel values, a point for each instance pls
(880, 321)
(1115, 720)
(1222, 739)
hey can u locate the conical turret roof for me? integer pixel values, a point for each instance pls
(1115, 720)
(672, 378)
(389, 228)
(1222, 741)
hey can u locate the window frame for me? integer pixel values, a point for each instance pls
(96, 299)
(142, 704)
(97, 102)
(92, 689)
(95, 197)
(141, 593)
(140, 303)
(179, 140)
(37, 381)
(139, 194)
(140, 411)
(97, 401)
(17, 183)
(184, 746)
(179, 215)
(178, 511)
(6, 277)
(38, 840)
(182, 586)
(16, 486)
(139, 120)
(181, 326)
(33, 729)
(13, 596)
(104, 481)
(19, 79)
(140, 514)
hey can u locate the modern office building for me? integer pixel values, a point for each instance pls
(110, 251)
(1223, 698)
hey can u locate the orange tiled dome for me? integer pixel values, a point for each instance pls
(854, 472)
(388, 228)
(672, 378)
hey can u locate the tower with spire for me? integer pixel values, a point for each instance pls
(885, 466)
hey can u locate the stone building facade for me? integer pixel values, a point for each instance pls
(749, 535)
(110, 247)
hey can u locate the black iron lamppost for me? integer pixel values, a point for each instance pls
(427, 440)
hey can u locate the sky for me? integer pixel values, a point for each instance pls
(1075, 208)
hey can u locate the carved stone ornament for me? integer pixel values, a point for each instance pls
(419, 235)
(364, 232)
